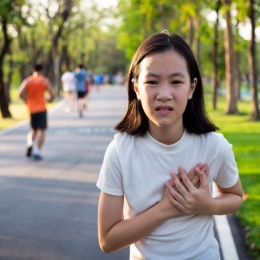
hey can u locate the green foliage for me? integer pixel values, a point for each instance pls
(244, 135)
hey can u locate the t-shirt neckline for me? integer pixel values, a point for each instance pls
(164, 148)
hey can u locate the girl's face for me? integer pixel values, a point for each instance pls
(164, 89)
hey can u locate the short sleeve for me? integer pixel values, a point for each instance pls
(110, 178)
(225, 165)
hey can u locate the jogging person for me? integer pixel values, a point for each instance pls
(32, 91)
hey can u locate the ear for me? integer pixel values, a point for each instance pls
(135, 86)
(192, 87)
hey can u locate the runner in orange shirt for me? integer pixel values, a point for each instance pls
(32, 91)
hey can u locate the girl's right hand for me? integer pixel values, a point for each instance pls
(193, 177)
(165, 203)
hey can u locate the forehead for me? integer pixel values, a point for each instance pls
(164, 63)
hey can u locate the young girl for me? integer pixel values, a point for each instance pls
(165, 133)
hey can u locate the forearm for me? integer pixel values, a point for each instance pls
(127, 232)
(225, 203)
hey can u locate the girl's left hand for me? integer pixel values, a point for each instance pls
(186, 197)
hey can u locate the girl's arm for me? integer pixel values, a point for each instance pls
(116, 233)
(192, 200)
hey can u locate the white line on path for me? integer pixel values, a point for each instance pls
(9, 129)
(226, 240)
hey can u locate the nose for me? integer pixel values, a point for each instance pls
(164, 92)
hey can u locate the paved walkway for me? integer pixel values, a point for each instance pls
(49, 208)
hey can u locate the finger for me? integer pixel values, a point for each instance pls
(175, 194)
(195, 180)
(204, 168)
(178, 205)
(192, 172)
(181, 189)
(171, 181)
(187, 183)
(202, 176)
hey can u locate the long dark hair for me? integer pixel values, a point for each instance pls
(195, 119)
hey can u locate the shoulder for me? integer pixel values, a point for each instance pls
(26, 80)
(64, 75)
(122, 140)
(220, 147)
(213, 138)
(219, 140)
(45, 81)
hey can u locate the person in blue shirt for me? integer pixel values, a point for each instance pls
(80, 80)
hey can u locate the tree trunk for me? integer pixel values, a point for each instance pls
(53, 53)
(4, 104)
(196, 23)
(231, 94)
(9, 79)
(237, 58)
(191, 32)
(214, 58)
(253, 65)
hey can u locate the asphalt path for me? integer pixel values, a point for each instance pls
(49, 207)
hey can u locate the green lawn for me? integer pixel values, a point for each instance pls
(244, 135)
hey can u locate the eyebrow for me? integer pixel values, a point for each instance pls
(179, 74)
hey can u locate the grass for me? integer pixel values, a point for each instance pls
(18, 110)
(243, 134)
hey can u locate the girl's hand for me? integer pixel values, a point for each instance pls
(190, 196)
(193, 177)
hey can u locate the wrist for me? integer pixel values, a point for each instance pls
(165, 213)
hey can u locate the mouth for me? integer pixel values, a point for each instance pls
(163, 108)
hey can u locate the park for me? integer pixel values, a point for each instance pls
(104, 38)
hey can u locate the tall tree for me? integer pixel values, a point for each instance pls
(5, 49)
(255, 115)
(10, 15)
(231, 92)
(214, 56)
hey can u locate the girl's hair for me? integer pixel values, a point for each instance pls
(195, 119)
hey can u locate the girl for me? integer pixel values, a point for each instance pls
(165, 127)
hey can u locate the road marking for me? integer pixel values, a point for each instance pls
(62, 132)
(226, 240)
(26, 121)
(86, 130)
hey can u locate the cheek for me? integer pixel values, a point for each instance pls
(182, 96)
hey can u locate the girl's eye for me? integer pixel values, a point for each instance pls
(176, 82)
(151, 82)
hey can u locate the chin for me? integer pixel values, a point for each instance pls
(161, 124)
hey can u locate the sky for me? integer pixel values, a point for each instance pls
(101, 3)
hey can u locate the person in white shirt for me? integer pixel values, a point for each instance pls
(159, 169)
(68, 84)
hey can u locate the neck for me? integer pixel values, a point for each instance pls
(35, 74)
(166, 135)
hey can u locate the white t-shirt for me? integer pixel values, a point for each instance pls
(68, 81)
(138, 167)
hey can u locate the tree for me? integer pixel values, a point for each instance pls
(231, 92)
(255, 115)
(11, 15)
(214, 56)
(4, 51)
